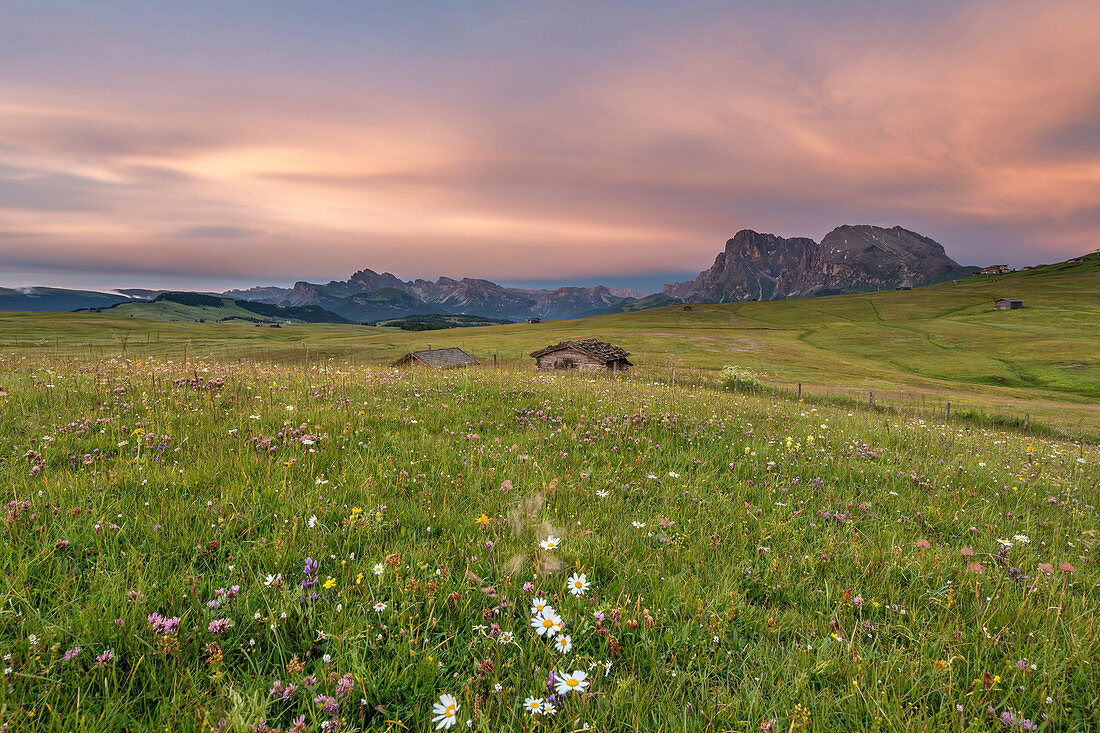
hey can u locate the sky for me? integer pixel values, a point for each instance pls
(213, 144)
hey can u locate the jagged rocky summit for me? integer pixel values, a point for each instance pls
(755, 266)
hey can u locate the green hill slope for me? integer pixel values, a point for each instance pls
(203, 308)
(927, 345)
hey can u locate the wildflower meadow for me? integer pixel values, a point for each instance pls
(238, 546)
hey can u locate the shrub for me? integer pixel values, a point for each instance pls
(741, 378)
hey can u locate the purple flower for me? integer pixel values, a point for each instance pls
(528, 587)
(72, 654)
(162, 625)
(218, 626)
(345, 685)
(328, 705)
(279, 691)
(105, 658)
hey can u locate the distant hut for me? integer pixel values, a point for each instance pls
(452, 358)
(1008, 304)
(687, 307)
(995, 270)
(586, 355)
(534, 319)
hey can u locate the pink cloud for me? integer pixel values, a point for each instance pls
(971, 127)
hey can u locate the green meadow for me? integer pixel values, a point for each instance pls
(920, 348)
(231, 545)
(232, 528)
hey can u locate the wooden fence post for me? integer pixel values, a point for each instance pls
(870, 399)
(948, 412)
(1027, 422)
(800, 390)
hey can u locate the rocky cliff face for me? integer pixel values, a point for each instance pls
(757, 266)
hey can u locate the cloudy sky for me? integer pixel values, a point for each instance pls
(210, 144)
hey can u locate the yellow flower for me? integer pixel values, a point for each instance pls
(356, 510)
(330, 582)
(358, 578)
(483, 520)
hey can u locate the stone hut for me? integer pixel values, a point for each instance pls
(1008, 304)
(452, 358)
(586, 355)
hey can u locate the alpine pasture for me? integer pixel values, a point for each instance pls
(237, 545)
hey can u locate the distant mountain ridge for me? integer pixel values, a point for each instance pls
(755, 266)
(371, 296)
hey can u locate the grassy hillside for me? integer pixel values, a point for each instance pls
(928, 345)
(205, 308)
(242, 547)
(436, 321)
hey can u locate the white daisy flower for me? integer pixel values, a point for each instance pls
(538, 605)
(550, 543)
(379, 569)
(380, 607)
(546, 623)
(571, 682)
(564, 644)
(602, 494)
(444, 712)
(1022, 538)
(578, 584)
(533, 705)
(637, 524)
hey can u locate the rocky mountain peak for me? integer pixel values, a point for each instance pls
(756, 266)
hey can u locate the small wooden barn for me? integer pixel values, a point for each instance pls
(1007, 304)
(452, 358)
(586, 355)
(534, 319)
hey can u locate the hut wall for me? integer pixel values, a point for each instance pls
(568, 359)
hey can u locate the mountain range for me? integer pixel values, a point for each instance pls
(752, 266)
(371, 296)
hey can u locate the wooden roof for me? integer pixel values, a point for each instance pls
(439, 358)
(593, 347)
(1008, 300)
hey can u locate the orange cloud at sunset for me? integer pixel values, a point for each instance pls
(515, 144)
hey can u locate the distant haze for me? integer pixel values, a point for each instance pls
(209, 145)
